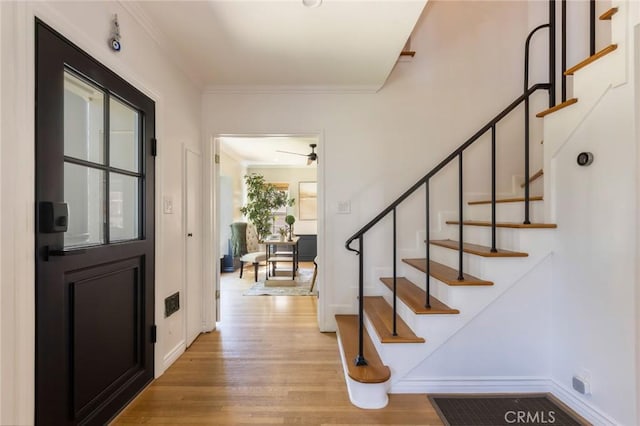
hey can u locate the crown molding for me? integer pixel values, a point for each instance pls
(291, 89)
(167, 47)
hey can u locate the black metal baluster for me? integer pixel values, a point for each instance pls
(460, 226)
(493, 189)
(427, 302)
(395, 272)
(526, 160)
(592, 27)
(552, 52)
(563, 35)
(360, 358)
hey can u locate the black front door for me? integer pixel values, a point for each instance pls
(95, 236)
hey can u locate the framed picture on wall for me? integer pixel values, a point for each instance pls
(308, 203)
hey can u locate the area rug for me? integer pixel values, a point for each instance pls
(495, 410)
(281, 286)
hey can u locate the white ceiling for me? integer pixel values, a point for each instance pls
(282, 45)
(262, 150)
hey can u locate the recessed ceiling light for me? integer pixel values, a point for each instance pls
(312, 3)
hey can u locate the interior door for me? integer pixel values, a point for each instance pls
(193, 166)
(95, 236)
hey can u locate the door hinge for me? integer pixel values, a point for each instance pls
(154, 334)
(154, 147)
(216, 158)
(217, 294)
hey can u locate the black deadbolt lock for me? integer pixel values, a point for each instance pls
(54, 217)
(585, 158)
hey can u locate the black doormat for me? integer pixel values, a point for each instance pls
(498, 410)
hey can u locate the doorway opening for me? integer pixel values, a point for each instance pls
(277, 263)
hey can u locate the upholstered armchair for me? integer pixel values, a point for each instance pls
(247, 246)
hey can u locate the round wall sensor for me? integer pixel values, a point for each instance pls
(585, 158)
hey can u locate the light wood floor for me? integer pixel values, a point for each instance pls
(267, 363)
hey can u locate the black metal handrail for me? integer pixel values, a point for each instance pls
(360, 360)
(443, 163)
(458, 153)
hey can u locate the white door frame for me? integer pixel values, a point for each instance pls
(211, 235)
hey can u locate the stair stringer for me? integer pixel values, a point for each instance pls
(590, 85)
(490, 365)
(437, 329)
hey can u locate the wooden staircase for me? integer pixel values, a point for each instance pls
(379, 313)
(414, 312)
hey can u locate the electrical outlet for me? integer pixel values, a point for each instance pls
(171, 304)
(581, 385)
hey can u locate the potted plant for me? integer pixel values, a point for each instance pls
(263, 199)
(283, 232)
(290, 220)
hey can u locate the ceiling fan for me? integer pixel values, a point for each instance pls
(311, 157)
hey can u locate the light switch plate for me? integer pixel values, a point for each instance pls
(344, 207)
(167, 204)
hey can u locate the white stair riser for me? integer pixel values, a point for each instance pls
(404, 354)
(506, 212)
(514, 239)
(437, 288)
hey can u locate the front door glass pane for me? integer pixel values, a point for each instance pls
(124, 146)
(83, 120)
(123, 207)
(84, 195)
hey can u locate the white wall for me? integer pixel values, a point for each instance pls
(234, 170)
(508, 341)
(595, 280)
(594, 299)
(230, 197)
(292, 176)
(467, 68)
(178, 112)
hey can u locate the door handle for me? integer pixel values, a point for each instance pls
(190, 234)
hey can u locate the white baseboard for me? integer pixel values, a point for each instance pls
(471, 385)
(173, 355)
(580, 406)
(505, 385)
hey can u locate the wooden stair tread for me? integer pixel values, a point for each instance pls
(375, 371)
(505, 224)
(380, 313)
(606, 16)
(444, 273)
(536, 175)
(507, 200)
(557, 107)
(414, 298)
(477, 249)
(591, 59)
